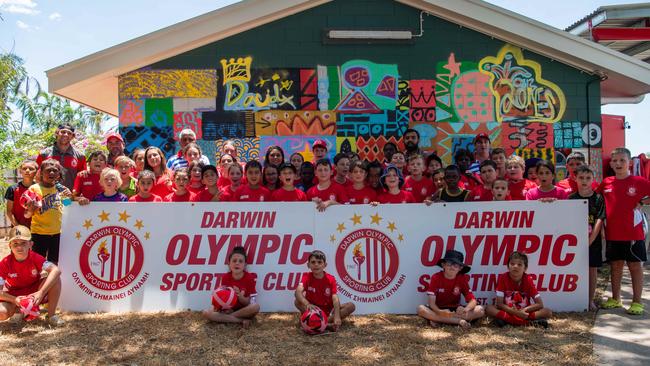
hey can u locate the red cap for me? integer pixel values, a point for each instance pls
(320, 143)
(114, 135)
(481, 136)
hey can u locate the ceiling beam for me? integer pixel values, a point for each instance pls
(621, 34)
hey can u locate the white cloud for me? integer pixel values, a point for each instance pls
(55, 16)
(22, 25)
(27, 7)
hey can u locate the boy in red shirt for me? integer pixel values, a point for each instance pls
(253, 191)
(86, 184)
(20, 277)
(518, 185)
(181, 194)
(438, 178)
(326, 193)
(500, 190)
(518, 302)
(483, 192)
(359, 192)
(209, 178)
(624, 228)
(498, 156)
(288, 192)
(14, 210)
(318, 289)
(146, 179)
(342, 165)
(420, 186)
(444, 292)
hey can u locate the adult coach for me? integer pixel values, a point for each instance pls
(72, 160)
(481, 152)
(411, 143)
(177, 161)
(115, 146)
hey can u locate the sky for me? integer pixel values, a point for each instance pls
(50, 33)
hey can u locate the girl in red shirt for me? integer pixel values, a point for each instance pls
(154, 160)
(235, 174)
(393, 181)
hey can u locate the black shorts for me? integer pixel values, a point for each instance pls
(47, 246)
(596, 253)
(628, 251)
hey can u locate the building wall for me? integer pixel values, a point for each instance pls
(281, 84)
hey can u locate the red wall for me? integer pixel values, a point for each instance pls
(613, 136)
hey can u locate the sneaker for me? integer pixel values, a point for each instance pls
(499, 322)
(542, 323)
(55, 321)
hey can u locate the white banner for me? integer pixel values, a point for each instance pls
(152, 256)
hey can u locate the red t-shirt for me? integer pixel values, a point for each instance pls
(621, 198)
(319, 291)
(516, 295)
(518, 190)
(282, 195)
(571, 186)
(334, 192)
(13, 193)
(481, 194)
(16, 276)
(162, 186)
(227, 194)
(401, 197)
(420, 189)
(204, 196)
(173, 197)
(195, 190)
(152, 198)
(536, 194)
(246, 194)
(360, 196)
(88, 186)
(246, 284)
(469, 184)
(448, 291)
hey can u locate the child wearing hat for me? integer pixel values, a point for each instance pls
(444, 292)
(392, 181)
(21, 285)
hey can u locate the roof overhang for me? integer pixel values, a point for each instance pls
(92, 80)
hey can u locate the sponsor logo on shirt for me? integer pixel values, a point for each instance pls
(423, 191)
(74, 163)
(456, 290)
(243, 197)
(631, 191)
(88, 183)
(34, 272)
(328, 291)
(608, 190)
(13, 275)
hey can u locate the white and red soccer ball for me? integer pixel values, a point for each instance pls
(31, 196)
(224, 298)
(29, 309)
(313, 321)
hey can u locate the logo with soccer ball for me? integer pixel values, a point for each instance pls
(112, 256)
(367, 259)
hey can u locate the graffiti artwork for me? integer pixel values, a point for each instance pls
(371, 148)
(247, 148)
(574, 134)
(596, 163)
(545, 154)
(520, 91)
(346, 145)
(188, 120)
(168, 83)
(195, 104)
(387, 123)
(533, 135)
(289, 123)
(158, 112)
(218, 125)
(422, 101)
(452, 136)
(131, 112)
(299, 144)
(142, 137)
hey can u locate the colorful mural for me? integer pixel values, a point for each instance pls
(168, 83)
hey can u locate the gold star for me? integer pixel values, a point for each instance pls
(340, 227)
(391, 226)
(124, 216)
(77, 235)
(356, 219)
(138, 224)
(103, 216)
(332, 238)
(375, 219)
(146, 235)
(400, 237)
(87, 224)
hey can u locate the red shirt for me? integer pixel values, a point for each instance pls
(571, 186)
(481, 194)
(536, 194)
(282, 195)
(448, 291)
(621, 198)
(195, 190)
(360, 196)
(88, 186)
(173, 197)
(204, 196)
(227, 194)
(467, 183)
(152, 198)
(334, 192)
(246, 194)
(162, 186)
(401, 197)
(420, 189)
(319, 291)
(518, 190)
(246, 284)
(13, 193)
(15, 275)
(516, 295)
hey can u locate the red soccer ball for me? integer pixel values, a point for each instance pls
(313, 321)
(224, 298)
(30, 196)
(30, 310)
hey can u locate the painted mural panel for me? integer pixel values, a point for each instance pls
(299, 144)
(142, 137)
(288, 123)
(188, 120)
(131, 112)
(575, 134)
(533, 135)
(452, 136)
(371, 148)
(389, 123)
(168, 83)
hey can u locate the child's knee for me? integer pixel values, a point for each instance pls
(491, 310)
(479, 310)
(422, 309)
(255, 307)
(351, 307)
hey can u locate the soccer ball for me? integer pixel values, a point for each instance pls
(313, 321)
(30, 310)
(224, 298)
(31, 196)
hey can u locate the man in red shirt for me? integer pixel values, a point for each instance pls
(115, 146)
(318, 289)
(20, 278)
(73, 161)
(624, 228)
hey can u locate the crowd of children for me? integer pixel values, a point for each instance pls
(37, 201)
